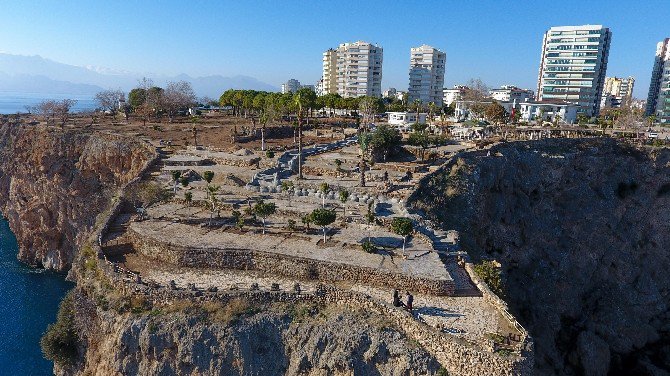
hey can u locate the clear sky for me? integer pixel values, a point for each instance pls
(498, 41)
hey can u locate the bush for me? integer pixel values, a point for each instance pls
(490, 273)
(59, 342)
(368, 246)
(270, 154)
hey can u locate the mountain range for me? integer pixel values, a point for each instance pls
(35, 74)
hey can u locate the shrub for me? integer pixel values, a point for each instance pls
(270, 154)
(368, 246)
(291, 225)
(59, 342)
(490, 273)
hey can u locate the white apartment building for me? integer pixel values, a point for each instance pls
(452, 95)
(551, 111)
(426, 74)
(329, 78)
(290, 86)
(510, 93)
(358, 69)
(573, 66)
(658, 100)
(617, 91)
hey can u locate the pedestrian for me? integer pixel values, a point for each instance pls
(396, 299)
(410, 301)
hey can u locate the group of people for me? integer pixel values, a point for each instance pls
(409, 299)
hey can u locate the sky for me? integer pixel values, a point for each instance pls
(497, 41)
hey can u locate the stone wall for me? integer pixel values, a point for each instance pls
(297, 267)
(457, 355)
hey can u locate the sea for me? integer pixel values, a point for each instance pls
(12, 103)
(29, 300)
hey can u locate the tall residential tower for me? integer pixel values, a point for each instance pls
(658, 100)
(573, 66)
(426, 75)
(353, 70)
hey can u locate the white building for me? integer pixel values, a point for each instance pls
(390, 93)
(403, 120)
(353, 70)
(290, 86)
(658, 100)
(573, 66)
(510, 93)
(329, 78)
(426, 74)
(551, 111)
(452, 95)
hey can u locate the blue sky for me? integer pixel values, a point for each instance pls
(498, 41)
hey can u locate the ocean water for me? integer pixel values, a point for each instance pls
(29, 301)
(11, 103)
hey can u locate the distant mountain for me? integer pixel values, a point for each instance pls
(23, 83)
(39, 75)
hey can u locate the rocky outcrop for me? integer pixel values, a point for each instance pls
(582, 230)
(54, 183)
(277, 340)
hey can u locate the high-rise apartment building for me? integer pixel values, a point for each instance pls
(290, 86)
(329, 79)
(353, 70)
(426, 74)
(658, 100)
(573, 66)
(617, 91)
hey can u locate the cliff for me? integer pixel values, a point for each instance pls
(53, 185)
(240, 338)
(582, 230)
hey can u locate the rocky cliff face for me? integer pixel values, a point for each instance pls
(268, 340)
(54, 183)
(582, 229)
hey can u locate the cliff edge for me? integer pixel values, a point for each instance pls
(582, 230)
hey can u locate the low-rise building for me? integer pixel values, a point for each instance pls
(510, 93)
(463, 109)
(617, 91)
(390, 92)
(452, 95)
(404, 120)
(551, 111)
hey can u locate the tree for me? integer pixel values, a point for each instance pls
(208, 176)
(175, 178)
(417, 105)
(369, 106)
(422, 140)
(344, 196)
(188, 197)
(385, 139)
(323, 217)
(495, 113)
(213, 201)
(303, 99)
(402, 227)
(63, 110)
(109, 100)
(177, 95)
(324, 188)
(47, 109)
(287, 186)
(364, 141)
(264, 209)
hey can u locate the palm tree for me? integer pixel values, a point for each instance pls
(299, 104)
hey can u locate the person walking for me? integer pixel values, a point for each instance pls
(410, 301)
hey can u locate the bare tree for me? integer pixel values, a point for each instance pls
(47, 109)
(62, 110)
(177, 95)
(109, 100)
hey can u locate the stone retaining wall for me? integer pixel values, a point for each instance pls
(457, 355)
(285, 265)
